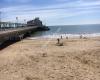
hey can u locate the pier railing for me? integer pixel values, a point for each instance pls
(9, 26)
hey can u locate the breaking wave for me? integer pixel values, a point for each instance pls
(67, 35)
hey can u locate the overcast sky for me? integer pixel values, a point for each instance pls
(52, 12)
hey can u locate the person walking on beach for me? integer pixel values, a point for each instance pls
(81, 36)
(66, 37)
(58, 41)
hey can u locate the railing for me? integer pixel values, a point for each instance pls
(4, 26)
(11, 28)
(17, 29)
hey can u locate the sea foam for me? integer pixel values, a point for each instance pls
(67, 36)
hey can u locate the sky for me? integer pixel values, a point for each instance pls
(52, 12)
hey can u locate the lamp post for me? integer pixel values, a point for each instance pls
(0, 19)
(17, 21)
(24, 22)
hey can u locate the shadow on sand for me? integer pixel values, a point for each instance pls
(7, 43)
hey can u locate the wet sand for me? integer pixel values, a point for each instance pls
(42, 59)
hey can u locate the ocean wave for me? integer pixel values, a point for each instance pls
(67, 36)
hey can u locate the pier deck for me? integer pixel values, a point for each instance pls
(15, 33)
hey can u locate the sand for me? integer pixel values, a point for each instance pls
(42, 59)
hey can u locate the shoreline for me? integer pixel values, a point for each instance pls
(84, 35)
(64, 37)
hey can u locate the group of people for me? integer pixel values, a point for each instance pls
(61, 37)
(58, 41)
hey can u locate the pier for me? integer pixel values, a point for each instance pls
(17, 31)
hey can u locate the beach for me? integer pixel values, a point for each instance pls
(42, 59)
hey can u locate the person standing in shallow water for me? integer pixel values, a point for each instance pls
(81, 36)
(61, 37)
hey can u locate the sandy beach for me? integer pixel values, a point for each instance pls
(42, 59)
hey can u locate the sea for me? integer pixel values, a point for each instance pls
(70, 31)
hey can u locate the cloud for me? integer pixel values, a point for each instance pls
(53, 14)
(18, 1)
